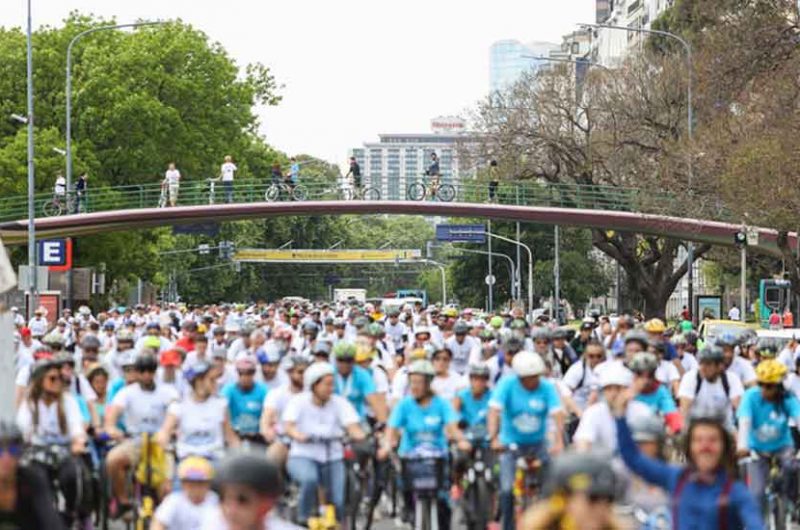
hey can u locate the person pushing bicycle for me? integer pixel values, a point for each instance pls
(434, 172)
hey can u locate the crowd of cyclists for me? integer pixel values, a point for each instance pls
(616, 424)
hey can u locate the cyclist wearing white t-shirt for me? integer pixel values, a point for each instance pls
(201, 419)
(735, 363)
(581, 377)
(447, 382)
(274, 404)
(711, 386)
(226, 173)
(597, 430)
(317, 420)
(466, 350)
(144, 406)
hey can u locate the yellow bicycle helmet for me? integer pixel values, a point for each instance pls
(195, 469)
(770, 371)
(364, 352)
(655, 325)
(418, 354)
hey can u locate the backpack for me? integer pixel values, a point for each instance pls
(723, 502)
(583, 375)
(725, 385)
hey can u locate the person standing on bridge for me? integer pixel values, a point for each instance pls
(81, 190)
(494, 180)
(172, 178)
(226, 173)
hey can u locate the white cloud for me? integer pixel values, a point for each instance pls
(352, 68)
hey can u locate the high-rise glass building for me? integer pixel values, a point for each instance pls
(508, 61)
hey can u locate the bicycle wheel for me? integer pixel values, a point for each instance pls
(299, 193)
(272, 194)
(416, 191)
(352, 498)
(371, 194)
(446, 192)
(779, 514)
(422, 514)
(480, 506)
(51, 208)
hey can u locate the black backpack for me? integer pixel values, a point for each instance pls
(725, 385)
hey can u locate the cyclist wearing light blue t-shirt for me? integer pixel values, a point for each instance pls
(473, 403)
(356, 383)
(764, 415)
(245, 400)
(424, 423)
(519, 410)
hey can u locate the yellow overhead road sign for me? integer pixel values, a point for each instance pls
(321, 256)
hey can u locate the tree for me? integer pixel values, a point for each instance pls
(140, 99)
(620, 129)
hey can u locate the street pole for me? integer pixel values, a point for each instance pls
(68, 98)
(619, 289)
(689, 128)
(489, 283)
(483, 252)
(557, 275)
(517, 278)
(444, 275)
(743, 284)
(32, 262)
(530, 266)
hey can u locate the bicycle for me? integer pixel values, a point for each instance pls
(527, 479)
(143, 482)
(479, 498)
(276, 190)
(58, 205)
(418, 190)
(162, 198)
(51, 457)
(777, 508)
(361, 193)
(212, 190)
(424, 475)
(327, 519)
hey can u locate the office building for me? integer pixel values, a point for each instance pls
(510, 59)
(396, 160)
(611, 46)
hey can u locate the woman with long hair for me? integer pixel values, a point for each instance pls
(51, 422)
(704, 492)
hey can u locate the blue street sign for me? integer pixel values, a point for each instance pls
(461, 233)
(52, 252)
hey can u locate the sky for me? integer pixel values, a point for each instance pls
(350, 69)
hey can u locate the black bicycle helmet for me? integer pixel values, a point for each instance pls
(710, 354)
(513, 344)
(589, 473)
(311, 327)
(146, 363)
(461, 328)
(251, 471)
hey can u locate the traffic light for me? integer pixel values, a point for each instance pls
(740, 238)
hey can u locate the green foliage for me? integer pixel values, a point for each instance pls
(581, 276)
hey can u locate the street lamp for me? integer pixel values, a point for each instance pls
(75, 39)
(18, 118)
(689, 125)
(565, 60)
(513, 269)
(59, 151)
(31, 172)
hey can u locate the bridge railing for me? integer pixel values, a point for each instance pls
(197, 192)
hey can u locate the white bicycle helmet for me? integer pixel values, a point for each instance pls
(527, 364)
(615, 374)
(315, 372)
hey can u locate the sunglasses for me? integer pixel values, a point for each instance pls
(601, 498)
(53, 378)
(598, 356)
(13, 450)
(247, 372)
(768, 385)
(241, 499)
(347, 360)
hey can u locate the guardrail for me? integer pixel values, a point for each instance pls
(197, 192)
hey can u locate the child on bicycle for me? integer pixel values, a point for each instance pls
(185, 508)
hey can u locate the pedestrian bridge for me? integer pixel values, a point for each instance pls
(605, 207)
